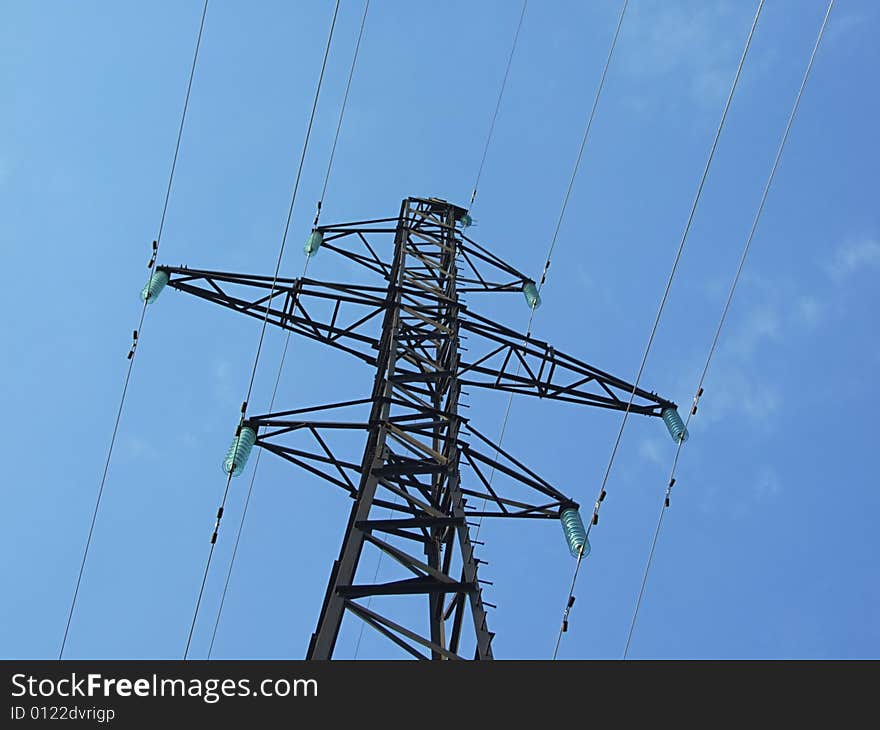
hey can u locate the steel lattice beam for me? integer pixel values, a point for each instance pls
(410, 498)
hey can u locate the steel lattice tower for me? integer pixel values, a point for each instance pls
(417, 441)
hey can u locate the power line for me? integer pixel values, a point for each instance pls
(138, 334)
(498, 102)
(292, 201)
(250, 490)
(266, 317)
(473, 197)
(589, 126)
(354, 60)
(562, 212)
(600, 496)
(192, 72)
(357, 647)
(287, 338)
(543, 277)
(699, 390)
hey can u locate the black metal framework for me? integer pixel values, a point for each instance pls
(409, 329)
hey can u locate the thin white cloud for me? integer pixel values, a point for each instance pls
(652, 451)
(755, 490)
(140, 448)
(854, 256)
(810, 311)
(738, 392)
(762, 323)
(694, 45)
(766, 484)
(847, 27)
(737, 387)
(776, 308)
(222, 371)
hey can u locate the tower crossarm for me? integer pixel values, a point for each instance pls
(477, 268)
(341, 315)
(500, 358)
(297, 437)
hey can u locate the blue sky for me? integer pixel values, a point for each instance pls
(768, 549)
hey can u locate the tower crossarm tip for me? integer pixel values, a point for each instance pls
(500, 358)
(340, 315)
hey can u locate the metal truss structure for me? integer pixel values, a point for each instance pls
(409, 328)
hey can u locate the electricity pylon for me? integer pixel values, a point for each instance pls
(417, 441)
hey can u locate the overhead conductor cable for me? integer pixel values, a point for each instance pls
(148, 294)
(287, 338)
(531, 290)
(699, 390)
(522, 15)
(602, 491)
(265, 322)
(467, 221)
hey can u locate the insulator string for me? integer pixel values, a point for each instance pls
(250, 490)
